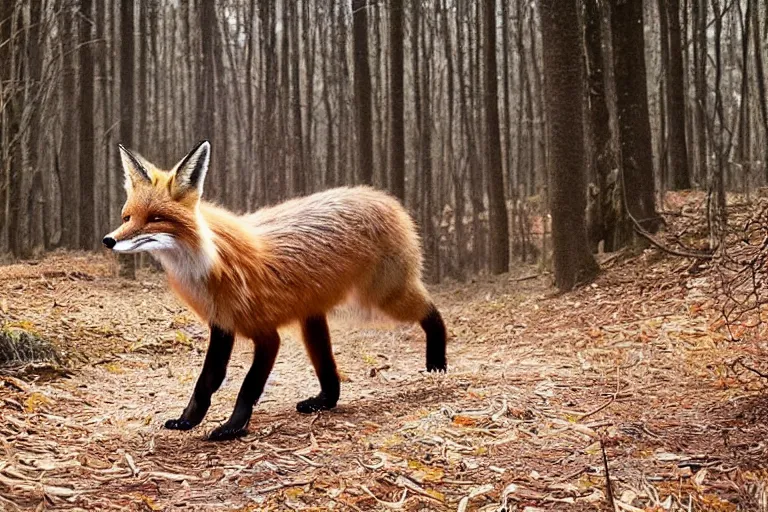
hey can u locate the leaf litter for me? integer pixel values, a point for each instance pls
(638, 362)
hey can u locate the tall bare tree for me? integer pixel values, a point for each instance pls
(206, 109)
(760, 74)
(563, 82)
(363, 92)
(397, 118)
(499, 224)
(127, 262)
(88, 237)
(677, 145)
(69, 175)
(699, 8)
(602, 225)
(633, 118)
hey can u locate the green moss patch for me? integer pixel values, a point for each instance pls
(20, 346)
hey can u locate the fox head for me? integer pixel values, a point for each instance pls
(161, 212)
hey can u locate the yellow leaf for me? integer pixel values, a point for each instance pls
(150, 503)
(183, 339)
(35, 401)
(436, 494)
(392, 440)
(592, 449)
(294, 492)
(433, 475)
(113, 368)
(424, 473)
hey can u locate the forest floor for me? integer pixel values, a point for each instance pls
(543, 391)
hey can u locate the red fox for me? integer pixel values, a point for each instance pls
(249, 275)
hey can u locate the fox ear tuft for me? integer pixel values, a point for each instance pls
(133, 168)
(189, 174)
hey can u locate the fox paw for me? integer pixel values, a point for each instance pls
(226, 433)
(315, 404)
(441, 367)
(179, 424)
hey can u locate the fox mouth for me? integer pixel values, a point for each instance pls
(140, 242)
(145, 243)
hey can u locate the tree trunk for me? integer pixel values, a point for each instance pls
(127, 261)
(473, 160)
(744, 140)
(700, 81)
(760, 74)
(425, 155)
(6, 17)
(499, 224)
(70, 190)
(206, 108)
(573, 261)
(88, 238)
(677, 145)
(717, 211)
(363, 93)
(397, 129)
(632, 110)
(309, 40)
(220, 93)
(299, 177)
(12, 89)
(603, 225)
(37, 93)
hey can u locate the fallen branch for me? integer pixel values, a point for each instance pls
(753, 370)
(529, 277)
(674, 252)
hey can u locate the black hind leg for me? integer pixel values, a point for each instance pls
(434, 327)
(211, 377)
(317, 339)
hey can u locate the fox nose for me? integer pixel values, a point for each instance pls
(109, 242)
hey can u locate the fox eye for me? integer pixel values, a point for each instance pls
(156, 218)
(126, 218)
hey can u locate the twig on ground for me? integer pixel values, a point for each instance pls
(529, 277)
(389, 504)
(283, 485)
(608, 488)
(746, 367)
(609, 402)
(596, 409)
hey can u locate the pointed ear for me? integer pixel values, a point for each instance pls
(189, 174)
(135, 171)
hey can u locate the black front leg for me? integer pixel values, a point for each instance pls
(211, 377)
(264, 355)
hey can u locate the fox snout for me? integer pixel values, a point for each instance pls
(109, 242)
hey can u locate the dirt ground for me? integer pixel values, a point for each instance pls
(543, 392)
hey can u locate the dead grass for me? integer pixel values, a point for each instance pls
(636, 362)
